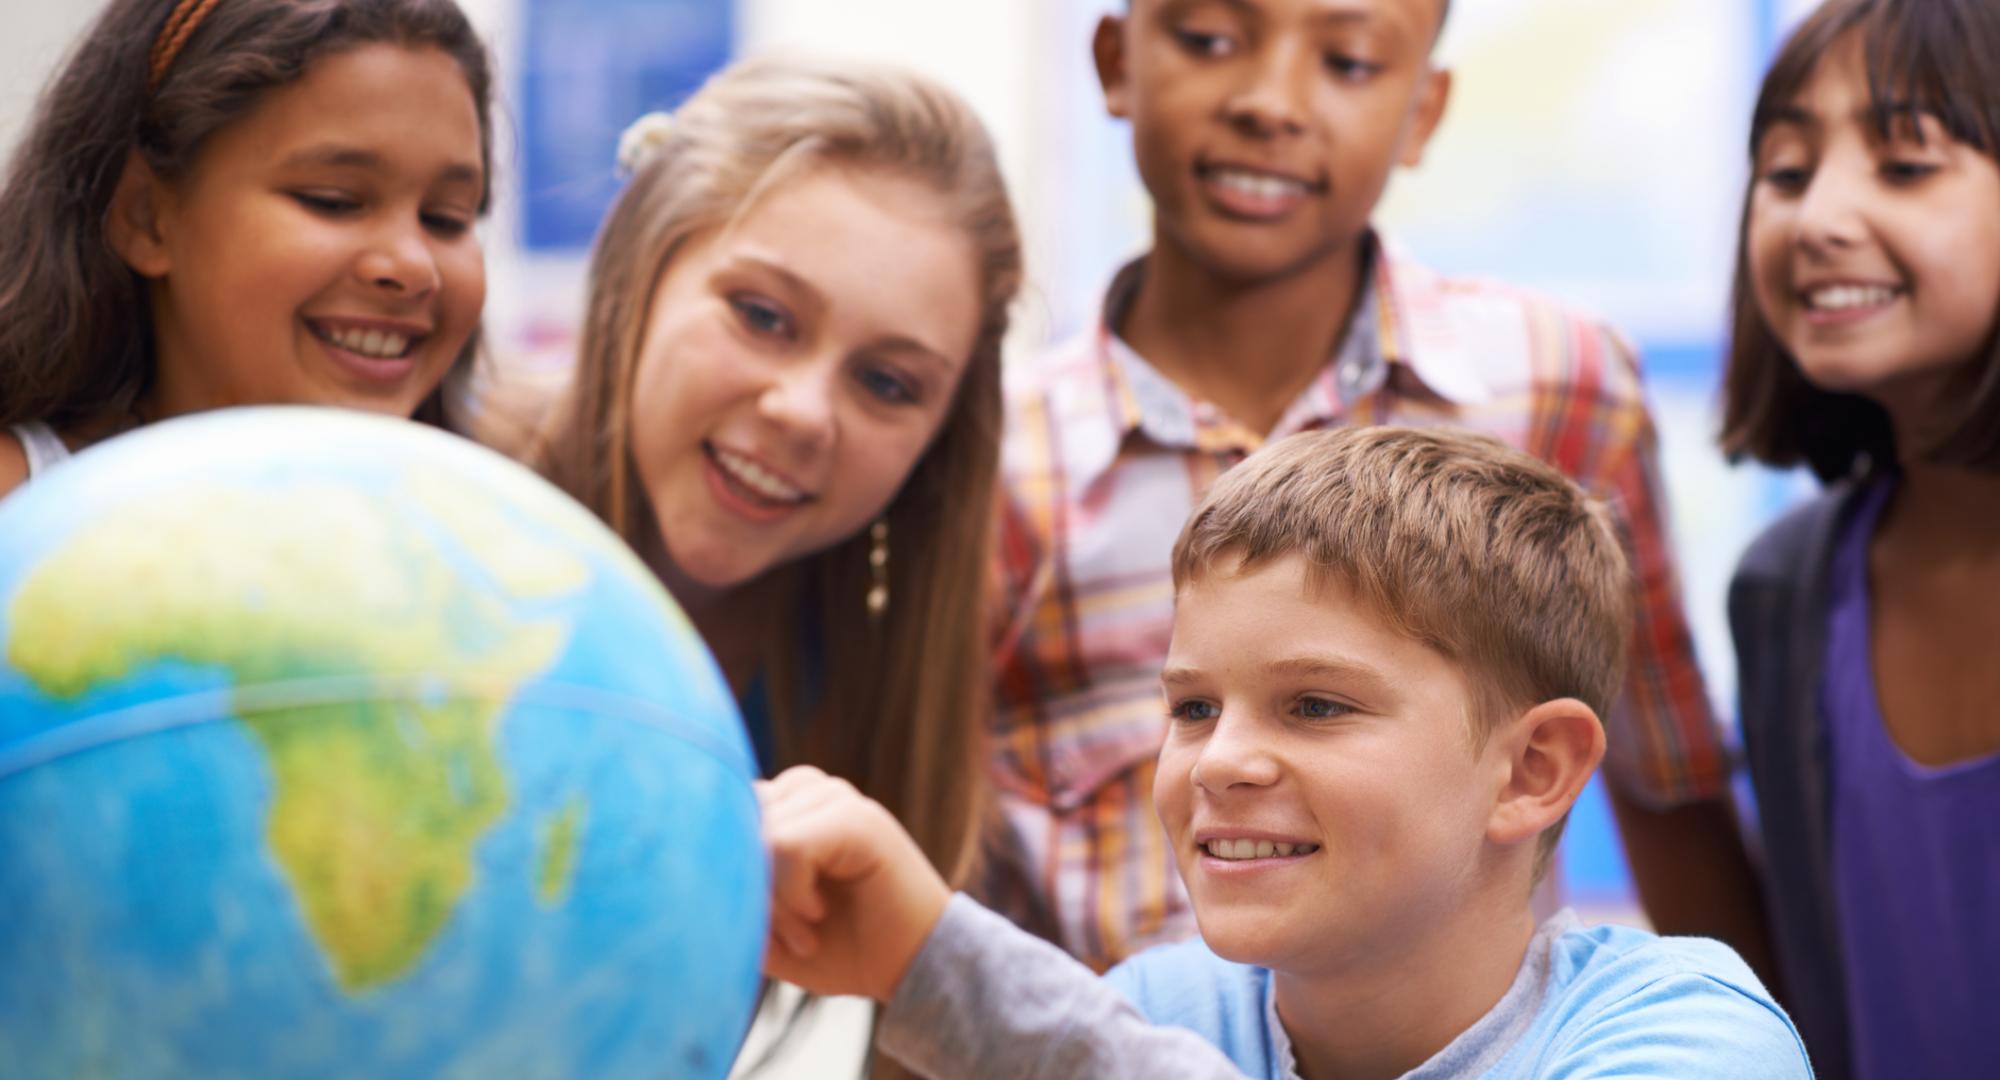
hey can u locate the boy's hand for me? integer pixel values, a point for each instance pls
(852, 896)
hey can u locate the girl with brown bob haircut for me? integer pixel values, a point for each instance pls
(740, 356)
(1867, 346)
(169, 242)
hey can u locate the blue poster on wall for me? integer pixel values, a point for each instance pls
(589, 68)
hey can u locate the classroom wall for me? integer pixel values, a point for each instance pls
(33, 36)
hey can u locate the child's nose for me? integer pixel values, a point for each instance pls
(400, 260)
(1272, 99)
(1832, 210)
(799, 400)
(1234, 757)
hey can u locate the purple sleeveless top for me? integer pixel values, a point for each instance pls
(1916, 863)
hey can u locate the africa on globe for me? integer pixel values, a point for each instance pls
(368, 753)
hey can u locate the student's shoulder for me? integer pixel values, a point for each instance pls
(1787, 546)
(1552, 341)
(1625, 954)
(1186, 984)
(13, 462)
(1627, 1002)
(1060, 413)
(1056, 375)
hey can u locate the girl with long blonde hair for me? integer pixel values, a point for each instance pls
(787, 399)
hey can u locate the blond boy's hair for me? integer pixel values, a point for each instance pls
(1479, 551)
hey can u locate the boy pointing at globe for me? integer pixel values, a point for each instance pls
(1390, 649)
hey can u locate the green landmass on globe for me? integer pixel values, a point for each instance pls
(559, 853)
(377, 804)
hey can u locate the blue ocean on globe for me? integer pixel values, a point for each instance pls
(335, 745)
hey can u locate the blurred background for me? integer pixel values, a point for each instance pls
(1593, 149)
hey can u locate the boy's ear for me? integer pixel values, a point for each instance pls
(1107, 48)
(1433, 94)
(1551, 750)
(133, 222)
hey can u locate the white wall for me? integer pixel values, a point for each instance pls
(1794, 10)
(985, 49)
(34, 36)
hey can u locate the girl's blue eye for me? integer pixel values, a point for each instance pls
(1319, 708)
(887, 386)
(1194, 711)
(761, 316)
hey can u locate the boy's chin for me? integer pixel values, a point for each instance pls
(1256, 938)
(1258, 258)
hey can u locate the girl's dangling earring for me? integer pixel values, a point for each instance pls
(878, 568)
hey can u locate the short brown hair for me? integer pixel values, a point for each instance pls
(1477, 550)
(1940, 57)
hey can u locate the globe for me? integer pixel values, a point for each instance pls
(337, 745)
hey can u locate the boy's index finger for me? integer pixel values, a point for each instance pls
(795, 873)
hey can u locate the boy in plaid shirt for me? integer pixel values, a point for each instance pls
(1265, 132)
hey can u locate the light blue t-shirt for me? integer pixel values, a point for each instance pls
(1588, 1002)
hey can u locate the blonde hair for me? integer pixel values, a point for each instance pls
(897, 707)
(1479, 551)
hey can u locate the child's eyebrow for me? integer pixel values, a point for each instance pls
(1336, 11)
(1874, 114)
(1351, 674)
(1793, 116)
(776, 269)
(1884, 114)
(1342, 13)
(334, 155)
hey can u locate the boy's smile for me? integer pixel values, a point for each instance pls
(1255, 194)
(1242, 845)
(1318, 782)
(1265, 130)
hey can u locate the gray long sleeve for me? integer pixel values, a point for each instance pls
(986, 999)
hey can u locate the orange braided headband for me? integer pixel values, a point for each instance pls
(187, 15)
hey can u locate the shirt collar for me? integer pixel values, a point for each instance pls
(1406, 320)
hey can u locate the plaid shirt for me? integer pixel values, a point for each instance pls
(1103, 460)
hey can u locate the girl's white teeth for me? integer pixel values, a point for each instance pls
(1849, 297)
(757, 478)
(1257, 185)
(1257, 849)
(381, 344)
